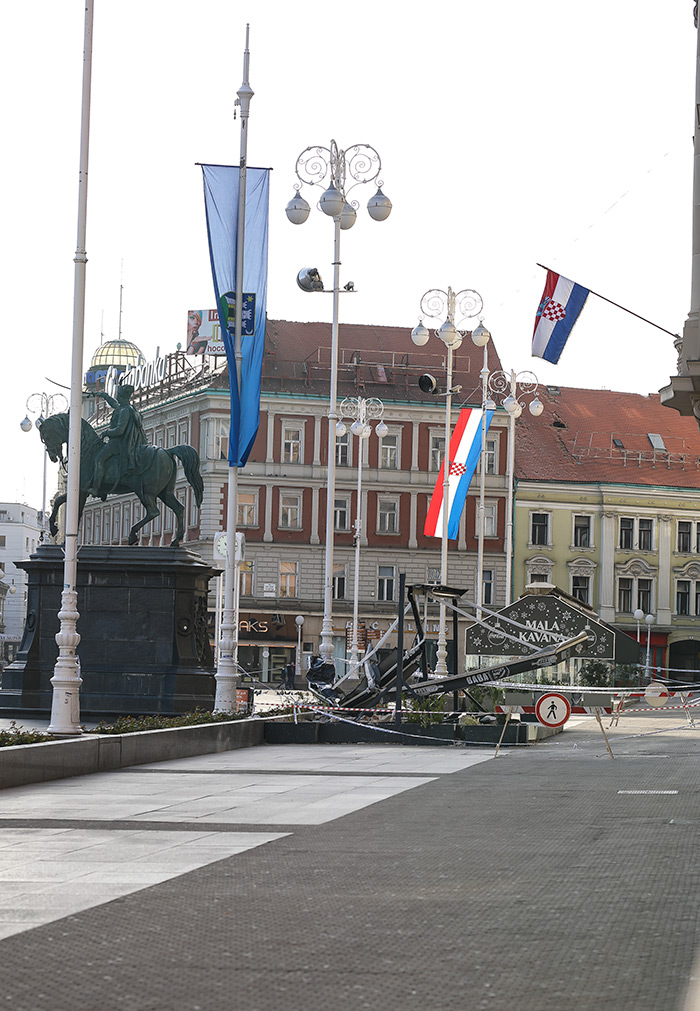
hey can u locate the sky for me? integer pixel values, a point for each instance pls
(510, 134)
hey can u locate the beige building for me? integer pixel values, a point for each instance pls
(608, 510)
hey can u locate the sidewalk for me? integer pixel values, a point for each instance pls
(282, 878)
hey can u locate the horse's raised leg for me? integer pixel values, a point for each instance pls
(58, 502)
(149, 504)
(171, 501)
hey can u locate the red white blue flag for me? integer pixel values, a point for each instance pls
(465, 450)
(560, 307)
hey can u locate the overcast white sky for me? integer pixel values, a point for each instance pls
(510, 133)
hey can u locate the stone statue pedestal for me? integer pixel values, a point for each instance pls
(144, 645)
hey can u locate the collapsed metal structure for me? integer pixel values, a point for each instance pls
(405, 672)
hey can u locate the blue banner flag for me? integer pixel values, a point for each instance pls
(221, 183)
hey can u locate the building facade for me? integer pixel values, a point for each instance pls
(282, 489)
(608, 510)
(21, 531)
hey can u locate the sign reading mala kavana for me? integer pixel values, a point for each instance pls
(546, 620)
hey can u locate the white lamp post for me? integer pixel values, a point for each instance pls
(363, 410)
(649, 621)
(516, 384)
(43, 405)
(447, 305)
(335, 172)
(300, 624)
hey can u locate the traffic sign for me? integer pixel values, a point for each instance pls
(656, 694)
(553, 709)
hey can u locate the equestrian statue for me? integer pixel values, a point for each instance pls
(120, 462)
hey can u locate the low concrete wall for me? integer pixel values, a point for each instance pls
(35, 763)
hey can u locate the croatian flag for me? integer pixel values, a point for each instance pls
(465, 449)
(561, 305)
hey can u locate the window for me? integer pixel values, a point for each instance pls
(291, 443)
(582, 531)
(290, 510)
(116, 528)
(182, 433)
(385, 582)
(338, 582)
(247, 509)
(246, 579)
(626, 533)
(491, 456)
(157, 522)
(684, 534)
(433, 574)
(341, 514)
(2, 540)
(168, 516)
(342, 450)
(107, 525)
(288, 579)
(194, 509)
(387, 517)
(539, 533)
(646, 534)
(87, 528)
(437, 451)
(490, 515)
(126, 527)
(644, 595)
(171, 437)
(221, 433)
(487, 587)
(581, 588)
(389, 452)
(624, 595)
(683, 596)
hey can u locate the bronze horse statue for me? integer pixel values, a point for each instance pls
(154, 478)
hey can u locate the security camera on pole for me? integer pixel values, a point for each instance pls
(447, 305)
(336, 173)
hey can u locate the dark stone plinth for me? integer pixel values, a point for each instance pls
(144, 646)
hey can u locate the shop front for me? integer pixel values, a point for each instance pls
(266, 644)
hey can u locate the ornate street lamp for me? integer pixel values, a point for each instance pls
(448, 306)
(336, 173)
(514, 384)
(43, 405)
(363, 411)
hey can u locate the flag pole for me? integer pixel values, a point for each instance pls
(66, 680)
(616, 304)
(227, 667)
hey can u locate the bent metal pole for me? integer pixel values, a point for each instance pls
(66, 680)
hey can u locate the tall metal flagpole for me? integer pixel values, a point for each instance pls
(66, 680)
(227, 668)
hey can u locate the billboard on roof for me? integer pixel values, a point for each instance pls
(204, 333)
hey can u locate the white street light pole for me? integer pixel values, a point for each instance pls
(336, 172)
(517, 384)
(66, 680)
(440, 304)
(650, 621)
(227, 669)
(363, 410)
(300, 624)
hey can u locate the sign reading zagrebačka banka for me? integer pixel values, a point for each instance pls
(544, 620)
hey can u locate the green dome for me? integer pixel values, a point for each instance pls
(117, 352)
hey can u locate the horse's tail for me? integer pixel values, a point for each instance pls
(189, 458)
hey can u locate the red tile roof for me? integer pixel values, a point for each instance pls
(377, 361)
(573, 440)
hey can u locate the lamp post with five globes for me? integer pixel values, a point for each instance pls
(43, 405)
(363, 410)
(336, 172)
(448, 306)
(515, 385)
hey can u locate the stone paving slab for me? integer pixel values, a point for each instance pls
(550, 877)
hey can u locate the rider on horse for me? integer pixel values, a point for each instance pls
(126, 437)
